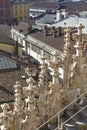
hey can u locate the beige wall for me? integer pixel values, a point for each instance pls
(10, 48)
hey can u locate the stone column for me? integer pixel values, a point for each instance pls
(31, 121)
(43, 83)
(55, 66)
(18, 107)
(29, 92)
(79, 39)
(67, 58)
(80, 60)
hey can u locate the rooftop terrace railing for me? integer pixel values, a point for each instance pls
(57, 115)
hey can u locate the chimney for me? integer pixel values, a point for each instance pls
(29, 29)
(53, 31)
(20, 30)
(59, 31)
(45, 30)
(58, 15)
(65, 13)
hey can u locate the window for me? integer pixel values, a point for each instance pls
(15, 10)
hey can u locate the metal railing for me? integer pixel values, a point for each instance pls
(59, 113)
(42, 44)
(71, 117)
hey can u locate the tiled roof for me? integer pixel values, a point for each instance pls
(44, 5)
(5, 37)
(55, 42)
(5, 29)
(9, 77)
(75, 7)
(24, 2)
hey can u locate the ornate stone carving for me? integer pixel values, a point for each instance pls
(6, 117)
(18, 106)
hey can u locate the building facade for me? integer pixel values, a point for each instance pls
(4, 12)
(19, 11)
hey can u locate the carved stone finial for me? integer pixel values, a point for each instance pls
(55, 66)
(30, 81)
(80, 26)
(79, 38)
(67, 36)
(18, 106)
(55, 56)
(29, 92)
(18, 98)
(43, 83)
(67, 46)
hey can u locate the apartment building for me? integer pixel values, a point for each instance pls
(19, 11)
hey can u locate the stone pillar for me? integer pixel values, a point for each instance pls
(18, 107)
(5, 117)
(79, 58)
(78, 37)
(43, 82)
(29, 92)
(55, 66)
(67, 58)
(67, 64)
(31, 121)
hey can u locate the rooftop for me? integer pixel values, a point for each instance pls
(56, 42)
(13, 2)
(5, 36)
(9, 77)
(5, 29)
(6, 63)
(22, 28)
(44, 5)
(75, 7)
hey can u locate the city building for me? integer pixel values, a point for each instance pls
(47, 103)
(5, 12)
(7, 44)
(42, 99)
(40, 7)
(35, 40)
(19, 11)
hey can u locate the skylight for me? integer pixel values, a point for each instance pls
(6, 63)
